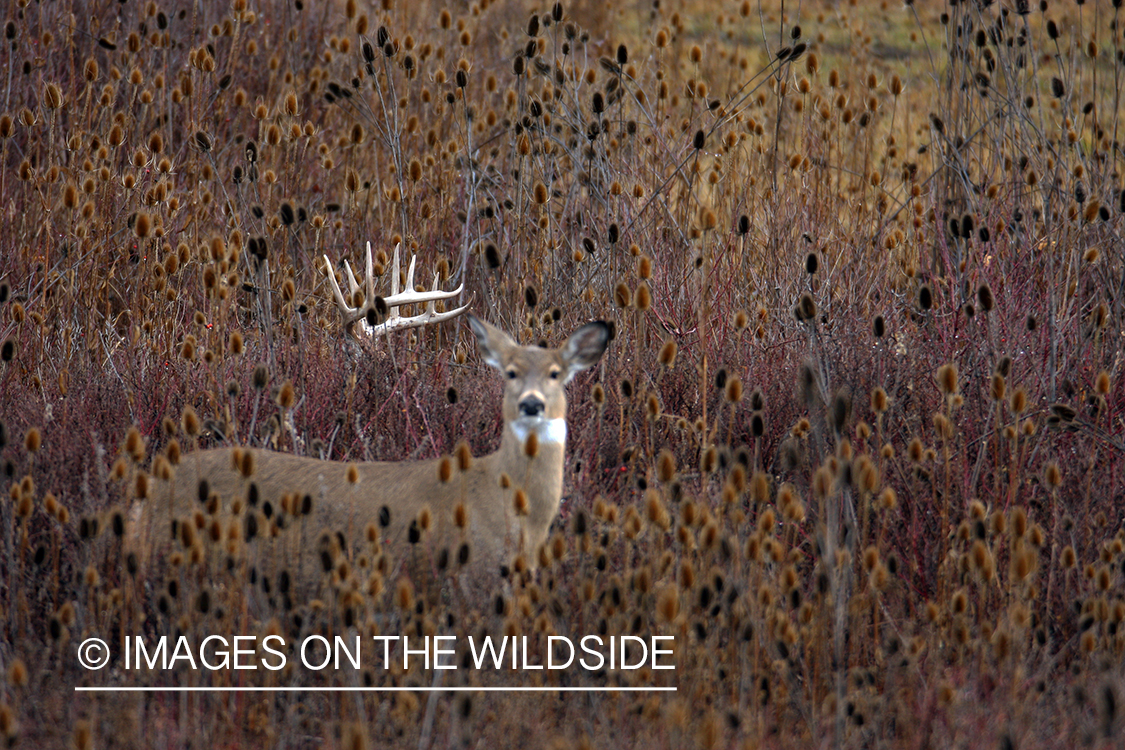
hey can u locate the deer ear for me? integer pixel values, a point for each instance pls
(585, 347)
(492, 342)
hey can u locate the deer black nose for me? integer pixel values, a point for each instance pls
(531, 406)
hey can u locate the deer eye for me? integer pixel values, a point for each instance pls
(512, 374)
(555, 374)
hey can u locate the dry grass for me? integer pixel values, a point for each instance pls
(875, 491)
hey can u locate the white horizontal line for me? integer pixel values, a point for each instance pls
(461, 689)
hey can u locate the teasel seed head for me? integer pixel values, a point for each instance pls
(404, 595)
(464, 456)
(286, 397)
(668, 604)
(998, 387)
(189, 421)
(445, 469)
(17, 673)
(260, 378)
(808, 385)
(622, 295)
(879, 400)
(806, 308)
(741, 320)
(32, 440)
(824, 482)
(841, 410)
(1018, 522)
(947, 378)
(665, 466)
(1052, 475)
(642, 298)
(1102, 384)
(733, 391)
(915, 449)
(1099, 318)
(709, 462)
(134, 445)
(141, 485)
(119, 469)
(655, 511)
(626, 388)
(24, 506)
(667, 355)
(984, 296)
(1018, 401)
(925, 297)
(519, 502)
(531, 445)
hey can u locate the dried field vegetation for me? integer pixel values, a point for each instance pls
(857, 443)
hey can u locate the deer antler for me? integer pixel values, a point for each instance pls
(376, 307)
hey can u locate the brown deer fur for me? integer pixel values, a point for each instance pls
(388, 497)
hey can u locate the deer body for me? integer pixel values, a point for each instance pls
(386, 498)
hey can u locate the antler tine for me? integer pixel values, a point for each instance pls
(339, 295)
(347, 312)
(353, 282)
(370, 299)
(410, 273)
(433, 288)
(437, 317)
(394, 271)
(405, 292)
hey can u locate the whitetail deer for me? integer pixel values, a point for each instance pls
(511, 496)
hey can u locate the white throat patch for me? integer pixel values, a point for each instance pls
(547, 430)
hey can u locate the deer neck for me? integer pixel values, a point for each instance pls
(540, 476)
